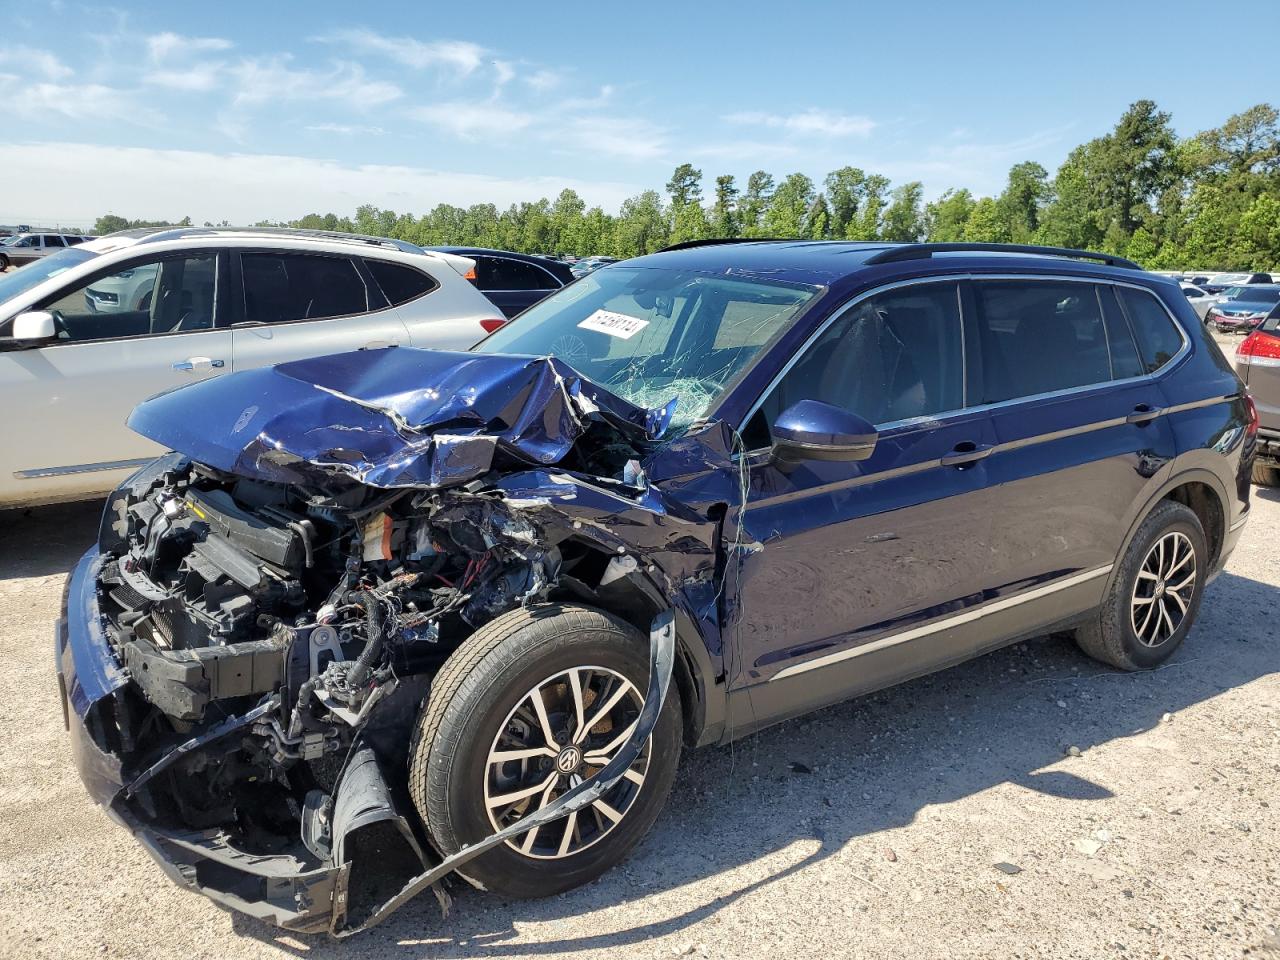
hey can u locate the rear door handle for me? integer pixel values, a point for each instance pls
(192, 364)
(967, 452)
(1143, 414)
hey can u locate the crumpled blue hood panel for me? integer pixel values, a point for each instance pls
(396, 417)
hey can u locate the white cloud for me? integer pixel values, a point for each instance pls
(243, 188)
(809, 122)
(752, 153)
(271, 79)
(543, 80)
(473, 121)
(197, 78)
(162, 46)
(41, 61)
(345, 129)
(628, 138)
(79, 102)
(461, 55)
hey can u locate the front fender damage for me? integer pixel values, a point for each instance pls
(523, 489)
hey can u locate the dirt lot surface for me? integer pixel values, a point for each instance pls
(943, 818)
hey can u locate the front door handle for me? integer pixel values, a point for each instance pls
(1143, 414)
(191, 364)
(966, 452)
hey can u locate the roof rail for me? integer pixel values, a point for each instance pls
(171, 233)
(715, 241)
(922, 251)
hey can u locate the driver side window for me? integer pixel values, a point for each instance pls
(174, 295)
(892, 357)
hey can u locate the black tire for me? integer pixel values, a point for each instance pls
(1111, 637)
(474, 693)
(4, 263)
(1265, 475)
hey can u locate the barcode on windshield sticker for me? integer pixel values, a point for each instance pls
(614, 324)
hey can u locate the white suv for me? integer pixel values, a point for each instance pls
(24, 248)
(87, 333)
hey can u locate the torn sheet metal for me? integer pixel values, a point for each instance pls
(395, 417)
(662, 646)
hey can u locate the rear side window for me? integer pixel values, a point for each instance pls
(1039, 336)
(1124, 352)
(399, 283)
(1158, 337)
(891, 357)
(282, 287)
(500, 273)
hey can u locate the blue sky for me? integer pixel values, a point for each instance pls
(270, 110)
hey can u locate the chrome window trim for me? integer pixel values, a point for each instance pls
(982, 407)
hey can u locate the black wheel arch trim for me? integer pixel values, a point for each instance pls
(1182, 478)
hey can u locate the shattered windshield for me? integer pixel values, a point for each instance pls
(649, 334)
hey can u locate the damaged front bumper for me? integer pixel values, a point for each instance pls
(377, 858)
(292, 889)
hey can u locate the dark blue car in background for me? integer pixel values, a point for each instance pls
(513, 281)
(390, 616)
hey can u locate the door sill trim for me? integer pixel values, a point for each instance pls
(41, 473)
(937, 626)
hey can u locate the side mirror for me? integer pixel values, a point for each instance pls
(813, 430)
(34, 326)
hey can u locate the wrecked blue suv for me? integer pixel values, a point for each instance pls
(392, 616)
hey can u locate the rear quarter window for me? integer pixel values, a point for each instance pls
(1159, 339)
(400, 283)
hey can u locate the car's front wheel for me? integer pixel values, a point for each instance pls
(4, 263)
(1155, 593)
(530, 705)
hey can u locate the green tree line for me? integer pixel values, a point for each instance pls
(1209, 202)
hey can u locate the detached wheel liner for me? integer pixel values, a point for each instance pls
(509, 725)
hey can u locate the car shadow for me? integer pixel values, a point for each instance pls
(802, 791)
(41, 541)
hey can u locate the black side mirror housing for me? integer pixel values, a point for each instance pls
(813, 430)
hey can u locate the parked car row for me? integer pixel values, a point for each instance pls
(23, 248)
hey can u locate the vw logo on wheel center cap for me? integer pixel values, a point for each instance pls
(569, 759)
(1159, 591)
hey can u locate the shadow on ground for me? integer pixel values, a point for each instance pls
(866, 766)
(46, 540)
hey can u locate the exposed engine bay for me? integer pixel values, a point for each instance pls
(278, 640)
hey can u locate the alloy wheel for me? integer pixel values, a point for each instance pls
(1164, 588)
(561, 732)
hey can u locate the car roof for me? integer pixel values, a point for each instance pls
(822, 262)
(1249, 288)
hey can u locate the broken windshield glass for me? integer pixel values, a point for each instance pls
(650, 334)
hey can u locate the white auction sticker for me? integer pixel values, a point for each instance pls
(614, 324)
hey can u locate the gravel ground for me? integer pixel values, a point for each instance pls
(873, 829)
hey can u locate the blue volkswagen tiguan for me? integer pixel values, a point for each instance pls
(393, 616)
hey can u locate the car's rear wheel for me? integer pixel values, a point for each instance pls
(1265, 475)
(1155, 594)
(530, 705)
(4, 263)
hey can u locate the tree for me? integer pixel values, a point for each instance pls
(109, 223)
(724, 212)
(1024, 194)
(818, 219)
(1259, 235)
(641, 227)
(754, 203)
(1246, 146)
(867, 224)
(785, 215)
(904, 217)
(685, 186)
(1142, 247)
(945, 218)
(986, 224)
(846, 191)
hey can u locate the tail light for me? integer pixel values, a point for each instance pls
(1251, 409)
(1260, 348)
(470, 275)
(492, 325)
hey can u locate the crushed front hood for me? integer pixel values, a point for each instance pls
(396, 417)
